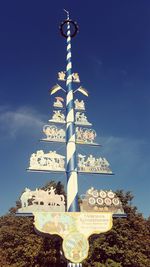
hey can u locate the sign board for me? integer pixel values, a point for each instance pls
(74, 228)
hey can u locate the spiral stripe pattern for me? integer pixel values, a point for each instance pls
(72, 182)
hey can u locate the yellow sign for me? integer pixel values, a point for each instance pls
(74, 228)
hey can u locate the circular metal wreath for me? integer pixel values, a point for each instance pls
(73, 23)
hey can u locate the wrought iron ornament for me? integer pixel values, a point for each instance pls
(70, 22)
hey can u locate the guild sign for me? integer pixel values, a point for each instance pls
(58, 117)
(79, 105)
(75, 229)
(51, 161)
(41, 200)
(81, 119)
(92, 164)
(85, 135)
(53, 133)
(101, 201)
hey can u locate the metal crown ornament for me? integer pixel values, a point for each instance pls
(69, 125)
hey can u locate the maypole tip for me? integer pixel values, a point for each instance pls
(67, 13)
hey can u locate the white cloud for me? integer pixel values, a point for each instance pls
(21, 120)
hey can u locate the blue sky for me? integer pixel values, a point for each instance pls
(111, 54)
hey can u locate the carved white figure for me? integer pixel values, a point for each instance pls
(33, 160)
(91, 164)
(80, 118)
(90, 161)
(59, 102)
(61, 134)
(48, 161)
(85, 135)
(40, 153)
(81, 161)
(75, 77)
(79, 104)
(105, 162)
(54, 133)
(91, 135)
(61, 76)
(41, 200)
(58, 116)
(79, 133)
(52, 191)
(25, 197)
(90, 190)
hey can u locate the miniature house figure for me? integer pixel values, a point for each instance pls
(61, 76)
(79, 104)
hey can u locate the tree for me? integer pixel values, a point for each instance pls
(21, 246)
(128, 242)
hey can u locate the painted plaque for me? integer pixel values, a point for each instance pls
(74, 228)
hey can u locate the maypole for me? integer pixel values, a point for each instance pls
(71, 170)
(48, 208)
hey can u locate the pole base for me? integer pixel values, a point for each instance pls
(74, 264)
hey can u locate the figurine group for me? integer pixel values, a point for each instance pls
(80, 118)
(53, 133)
(62, 76)
(41, 200)
(59, 102)
(49, 161)
(91, 164)
(58, 116)
(85, 135)
(79, 104)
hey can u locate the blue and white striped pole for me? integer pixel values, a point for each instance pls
(71, 170)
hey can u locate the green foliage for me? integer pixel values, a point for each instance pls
(21, 246)
(126, 245)
(128, 242)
